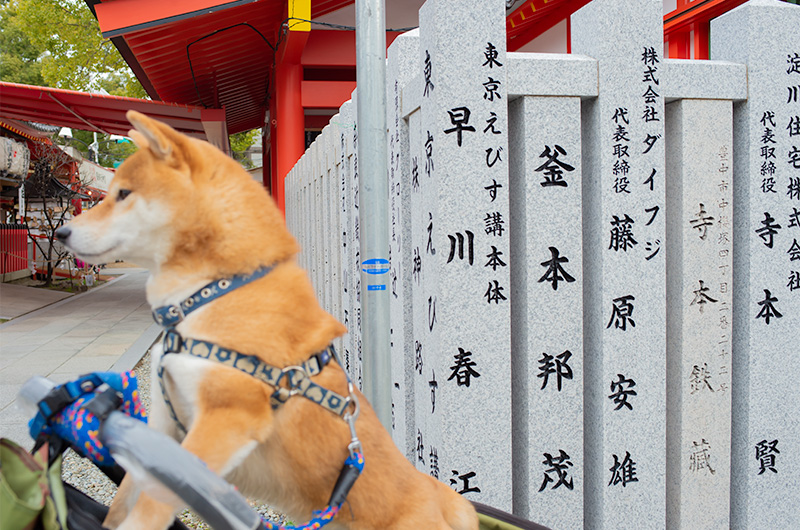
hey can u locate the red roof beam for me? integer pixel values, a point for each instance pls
(701, 11)
(111, 127)
(19, 109)
(102, 119)
(67, 108)
(525, 13)
(124, 16)
(326, 94)
(37, 93)
(323, 7)
(542, 19)
(334, 48)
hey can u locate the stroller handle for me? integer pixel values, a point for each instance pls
(161, 466)
(157, 462)
(32, 392)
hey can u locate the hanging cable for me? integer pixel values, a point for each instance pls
(189, 57)
(285, 26)
(339, 26)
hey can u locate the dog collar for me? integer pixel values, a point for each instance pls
(170, 316)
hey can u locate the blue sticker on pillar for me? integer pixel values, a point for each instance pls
(375, 266)
(376, 287)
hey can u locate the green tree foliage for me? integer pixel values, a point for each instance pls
(58, 43)
(110, 153)
(19, 58)
(113, 153)
(241, 142)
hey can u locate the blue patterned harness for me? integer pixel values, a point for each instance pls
(288, 381)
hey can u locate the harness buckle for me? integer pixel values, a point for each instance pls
(292, 388)
(56, 400)
(322, 358)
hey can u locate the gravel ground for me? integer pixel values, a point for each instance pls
(85, 476)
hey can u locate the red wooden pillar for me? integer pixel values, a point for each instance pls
(679, 45)
(701, 40)
(272, 127)
(288, 138)
(266, 149)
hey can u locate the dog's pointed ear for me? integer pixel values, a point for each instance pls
(138, 139)
(148, 134)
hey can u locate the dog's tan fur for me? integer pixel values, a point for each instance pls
(193, 215)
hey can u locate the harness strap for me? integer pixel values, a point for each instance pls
(165, 396)
(288, 382)
(171, 315)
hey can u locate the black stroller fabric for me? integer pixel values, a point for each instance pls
(494, 519)
(83, 512)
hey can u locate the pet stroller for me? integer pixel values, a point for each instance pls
(100, 417)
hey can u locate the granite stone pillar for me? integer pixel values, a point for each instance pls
(763, 34)
(624, 265)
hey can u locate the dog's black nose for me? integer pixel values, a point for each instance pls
(63, 233)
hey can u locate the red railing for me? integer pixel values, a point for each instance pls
(13, 248)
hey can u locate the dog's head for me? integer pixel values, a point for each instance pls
(178, 198)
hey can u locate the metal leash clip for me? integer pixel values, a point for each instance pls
(355, 444)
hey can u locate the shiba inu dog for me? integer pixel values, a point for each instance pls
(193, 216)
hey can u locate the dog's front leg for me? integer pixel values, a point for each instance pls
(147, 513)
(219, 442)
(158, 419)
(123, 501)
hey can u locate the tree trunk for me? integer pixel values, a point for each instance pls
(49, 279)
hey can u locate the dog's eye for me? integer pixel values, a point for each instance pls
(122, 194)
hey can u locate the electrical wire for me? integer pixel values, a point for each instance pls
(339, 26)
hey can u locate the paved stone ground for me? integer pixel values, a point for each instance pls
(62, 336)
(17, 300)
(109, 327)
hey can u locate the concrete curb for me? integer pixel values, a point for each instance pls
(138, 349)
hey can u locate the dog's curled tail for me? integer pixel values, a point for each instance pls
(458, 511)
